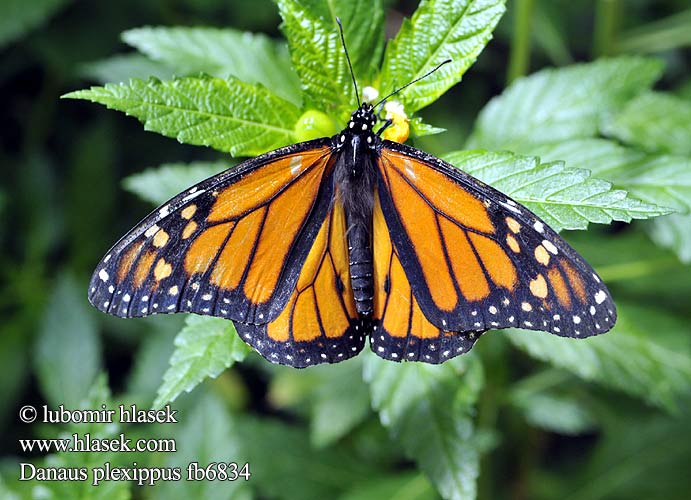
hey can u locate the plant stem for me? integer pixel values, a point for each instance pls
(606, 27)
(519, 59)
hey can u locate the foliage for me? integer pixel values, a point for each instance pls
(602, 141)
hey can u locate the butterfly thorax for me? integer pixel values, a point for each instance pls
(357, 148)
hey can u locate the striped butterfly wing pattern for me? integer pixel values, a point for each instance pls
(473, 259)
(232, 246)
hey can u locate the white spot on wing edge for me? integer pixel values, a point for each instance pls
(163, 211)
(151, 231)
(550, 247)
(539, 226)
(600, 296)
(103, 275)
(510, 205)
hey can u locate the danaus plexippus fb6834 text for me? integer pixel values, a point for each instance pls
(314, 247)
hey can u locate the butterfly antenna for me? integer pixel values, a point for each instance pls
(345, 49)
(414, 81)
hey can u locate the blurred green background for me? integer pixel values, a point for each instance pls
(62, 205)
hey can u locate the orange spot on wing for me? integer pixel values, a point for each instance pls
(205, 248)
(497, 263)
(420, 224)
(232, 262)
(442, 192)
(143, 268)
(575, 280)
(263, 184)
(559, 285)
(285, 218)
(466, 268)
(127, 260)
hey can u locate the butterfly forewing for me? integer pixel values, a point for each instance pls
(231, 246)
(477, 260)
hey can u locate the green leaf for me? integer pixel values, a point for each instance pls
(646, 355)
(285, 466)
(161, 183)
(123, 67)
(673, 232)
(565, 198)
(18, 17)
(439, 30)
(559, 104)
(220, 444)
(655, 122)
(418, 128)
(408, 486)
(317, 52)
(340, 401)
(229, 115)
(634, 449)
(204, 348)
(547, 403)
(662, 180)
(68, 349)
(663, 34)
(252, 58)
(428, 408)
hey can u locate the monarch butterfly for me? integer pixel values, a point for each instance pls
(313, 247)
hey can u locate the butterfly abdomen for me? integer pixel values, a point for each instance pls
(360, 251)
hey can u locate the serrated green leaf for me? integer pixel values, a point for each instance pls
(655, 122)
(229, 115)
(68, 349)
(427, 408)
(123, 67)
(559, 104)
(661, 180)
(204, 348)
(161, 183)
(418, 128)
(252, 58)
(439, 30)
(673, 232)
(647, 355)
(564, 198)
(317, 52)
(18, 17)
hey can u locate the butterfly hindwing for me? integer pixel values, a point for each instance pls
(231, 246)
(477, 260)
(400, 331)
(319, 324)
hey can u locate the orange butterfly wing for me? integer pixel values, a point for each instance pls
(400, 331)
(319, 323)
(475, 259)
(232, 246)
